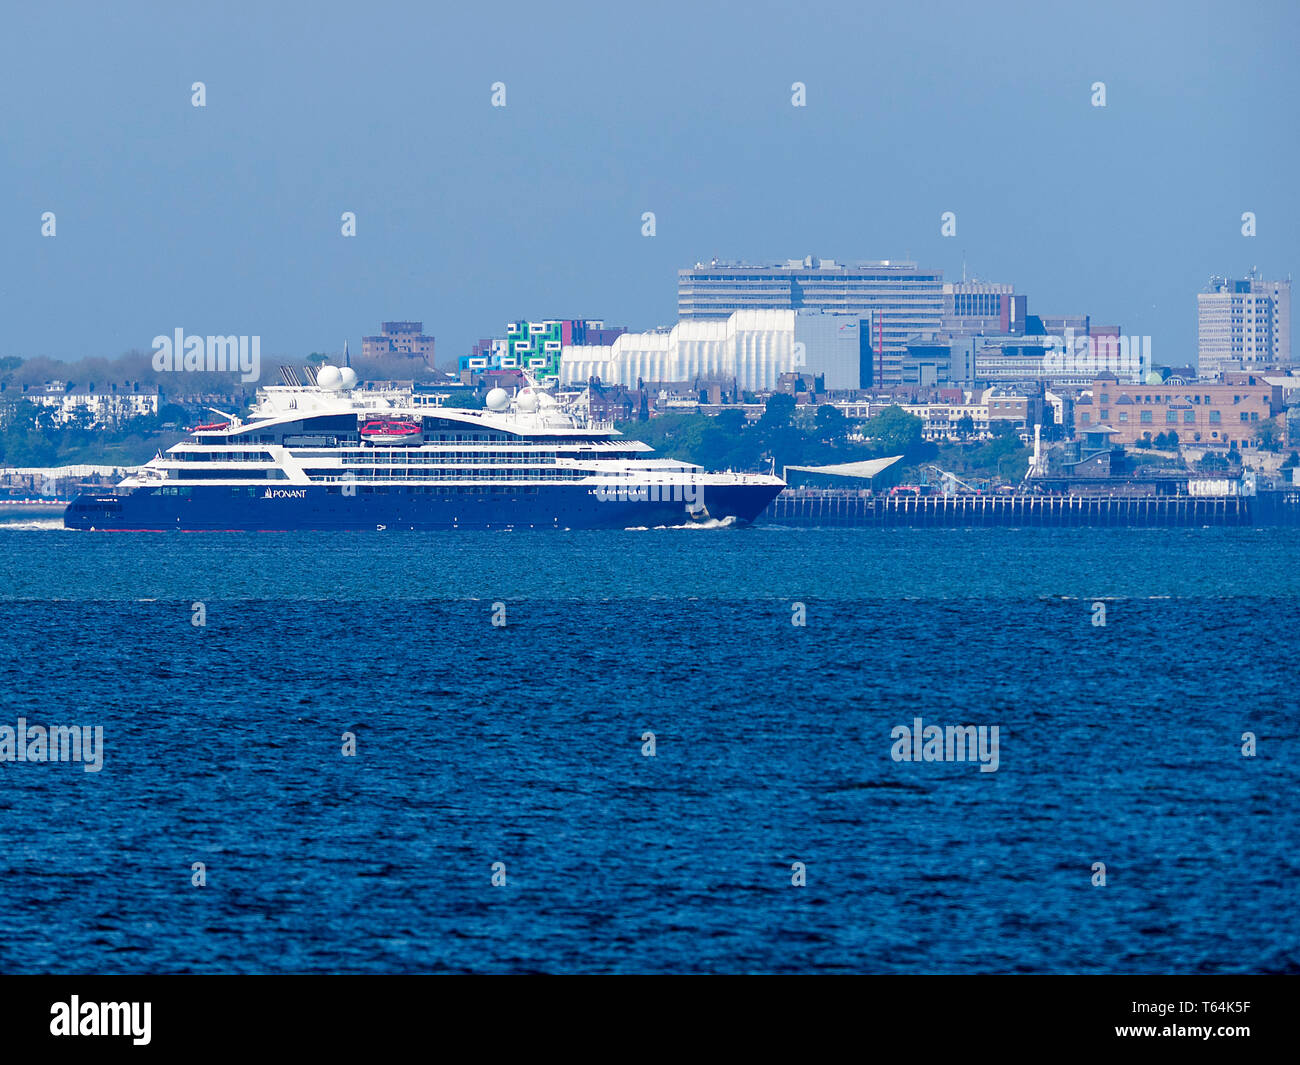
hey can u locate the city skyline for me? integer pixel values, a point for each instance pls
(227, 217)
(370, 345)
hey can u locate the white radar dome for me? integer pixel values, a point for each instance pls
(497, 399)
(349, 377)
(527, 402)
(328, 377)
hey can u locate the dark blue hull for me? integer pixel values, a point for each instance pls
(198, 507)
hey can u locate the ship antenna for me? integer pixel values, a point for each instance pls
(347, 359)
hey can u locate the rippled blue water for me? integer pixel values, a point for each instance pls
(523, 745)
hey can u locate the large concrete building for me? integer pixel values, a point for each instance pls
(751, 348)
(1034, 357)
(896, 298)
(972, 307)
(939, 361)
(1243, 325)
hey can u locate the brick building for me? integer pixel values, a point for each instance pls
(1205, 413)
(399, 340)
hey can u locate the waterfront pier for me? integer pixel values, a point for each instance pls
(832, 507)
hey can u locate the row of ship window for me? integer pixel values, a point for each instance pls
(367, 458)
(442, 490)
(516, 474)
(260, 473)
(493, 489)
(274, 473)
(228, 456)
(449, 457)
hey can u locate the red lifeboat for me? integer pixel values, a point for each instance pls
(391, 432)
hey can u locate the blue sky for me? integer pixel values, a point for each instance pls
(226, 219)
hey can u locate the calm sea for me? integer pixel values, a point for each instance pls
(523, 744)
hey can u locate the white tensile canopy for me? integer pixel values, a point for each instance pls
(868, 469)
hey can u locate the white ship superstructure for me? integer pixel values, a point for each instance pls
(363, 458)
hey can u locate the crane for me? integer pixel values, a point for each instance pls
(950, 480)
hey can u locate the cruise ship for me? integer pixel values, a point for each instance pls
(329, 454)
